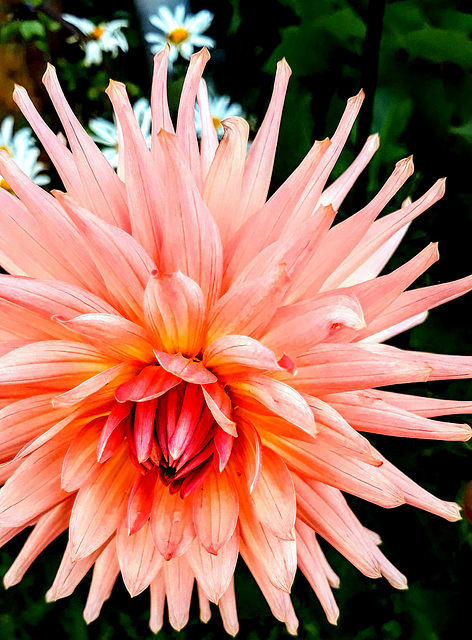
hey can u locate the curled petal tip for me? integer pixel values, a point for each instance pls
(284, 65)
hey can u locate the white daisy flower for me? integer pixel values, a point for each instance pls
(220, 109)
(22, 148)
(105, 133)
(182, 32)
(106, 36)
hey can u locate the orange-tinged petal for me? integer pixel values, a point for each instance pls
(56, 150)
(104, 189)
(368, 411)
(193, 243)
(277, 559)
(246, 461)
(121, 261)
(327, 465)
(105, 572)
(159, 106)
(214, 572)
(25, 420)
(48, 527)
(215, 511)
(151, 382)
(311, 564)
(34, 488)
(188, 370)
(223, 183)
(116, 336)
(140, 562)
(273, 498)
(171, 523)
(140, 500)
(98, 508)
(50, 365)
(179, 581)
(70, 573)
(174, 311)
(247, 307)
(267, 224)
(185, 128)
(144, 189)
(276, 396)
(80, 460)
(234, 354)
(220, 406)
(298, 327)
(260, 160)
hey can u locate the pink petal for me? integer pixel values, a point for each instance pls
(247, 307)
(277, 559)
(80, 460)
(188, 370)
(235, 354)
(139, 559)
(179, 581)
(144, 190)
(310, 563)
(209, 137)
(98, 507)
(171, 523)
(273, 498)
(140, 500)
(104, 189)
(105, 572)
(151, 382)
(174, 311)
(276, 396)
(215, 511)
(122, 262)
(220, 406)
(367, 411)
(214, 572)
(34, 488)
(48, 527)
(268, 224)
(159, 105)
(186, 114)
(189, 225)
(260, 160)
(223, 183)
(70, 573)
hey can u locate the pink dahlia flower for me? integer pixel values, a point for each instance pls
(187, 367)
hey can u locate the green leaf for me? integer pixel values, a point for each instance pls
(440, 45)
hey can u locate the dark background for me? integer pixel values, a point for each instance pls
(414, 60)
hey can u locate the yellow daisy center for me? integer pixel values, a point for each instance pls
(177, 36)
(4, 185)
(97, 33)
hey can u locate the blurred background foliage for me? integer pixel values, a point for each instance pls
(414, 59)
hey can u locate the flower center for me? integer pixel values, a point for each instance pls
(177, 36)
(4, 185)
(216, 122)
(97, 33)
(175, 432)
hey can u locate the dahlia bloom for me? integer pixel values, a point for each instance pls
(187, 367)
